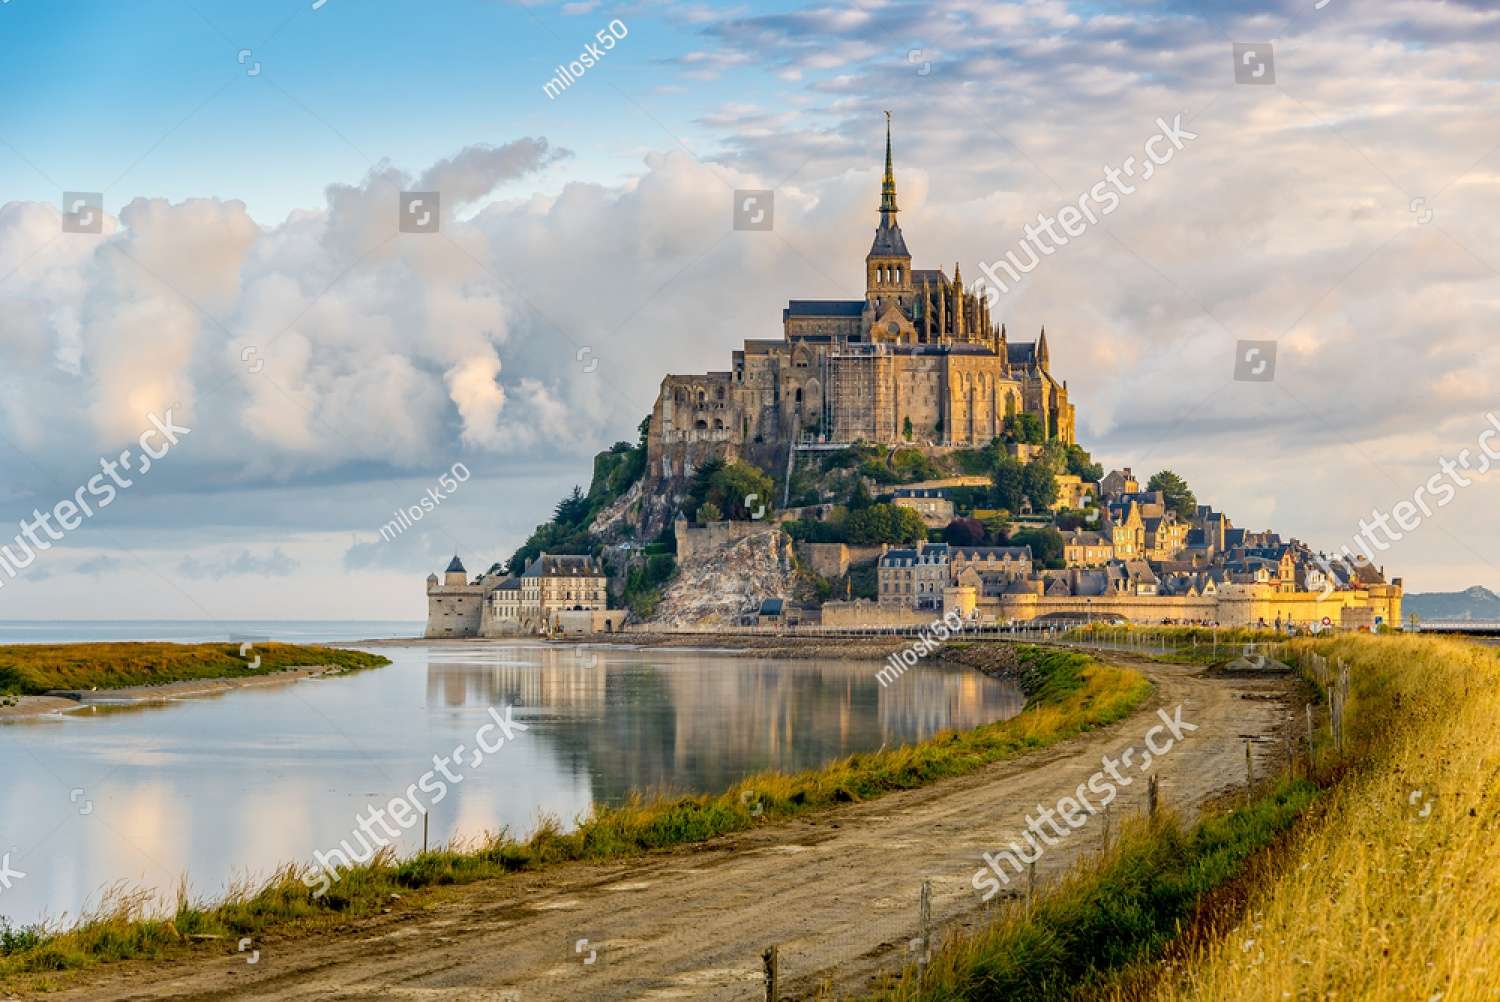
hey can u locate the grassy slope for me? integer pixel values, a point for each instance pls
(1068, 693)
(1396, 893)
(1370, 898)
(1197, 644)
(31, 669)
(1112, 911)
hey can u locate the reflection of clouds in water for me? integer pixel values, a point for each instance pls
(273, 822)
(700, 720)
(920, 704)
(237, 785)
(147, 835)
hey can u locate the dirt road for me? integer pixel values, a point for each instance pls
(838, 892)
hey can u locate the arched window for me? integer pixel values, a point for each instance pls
(702, 396)
(799, 395)
(701, 425)
(719, 393)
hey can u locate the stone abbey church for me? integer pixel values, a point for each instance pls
(918, 360)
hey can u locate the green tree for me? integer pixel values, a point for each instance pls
(1046, 545)
(859, 498)
(1009, 482)
(572, 509)
(741, 491)
(1025, 427)
(1081, 465)
(884, 523)
(1178, 495)
(906, 429)
(709, 512)
(1040, 484)
(728, 486)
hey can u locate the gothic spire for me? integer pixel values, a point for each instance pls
(1041, 349)
(959, 306)
(888, 185)
(888, 240)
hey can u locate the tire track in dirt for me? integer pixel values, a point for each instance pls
(837, 891)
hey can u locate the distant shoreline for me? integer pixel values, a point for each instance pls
(40, 679)
(987, 658)
(138, 695)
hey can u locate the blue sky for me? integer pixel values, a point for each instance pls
(156, 89)
(1341, 211)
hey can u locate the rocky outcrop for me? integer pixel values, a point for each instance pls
(718, 588)
(641, 514)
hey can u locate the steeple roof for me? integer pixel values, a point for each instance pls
(455, 566)
(888, 185)
(888, 239)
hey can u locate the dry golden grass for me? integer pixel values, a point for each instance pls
(29, 669)
(1396, 893)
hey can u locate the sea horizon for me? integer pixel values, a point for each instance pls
(199, 631)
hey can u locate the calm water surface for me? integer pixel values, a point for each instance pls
(228, 787)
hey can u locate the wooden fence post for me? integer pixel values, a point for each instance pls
(1152, 794)
(1309, 734)
(772, 962)
(924, 921)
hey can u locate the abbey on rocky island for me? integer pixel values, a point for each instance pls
(918, 361)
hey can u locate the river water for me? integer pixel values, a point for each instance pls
(225, 788)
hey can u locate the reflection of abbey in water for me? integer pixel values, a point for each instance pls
(634, 720)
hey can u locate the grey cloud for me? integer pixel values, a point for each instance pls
(477, 170)
(274, 564)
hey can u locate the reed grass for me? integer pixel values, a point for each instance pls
(1389, 889)
(33, 669)
(1395, 894)
(1113, 909)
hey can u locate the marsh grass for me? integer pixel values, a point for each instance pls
(1395, 893)
(1067, 693)
(32, 669)
(1372, 877)
(1113, 909)
(1197, 644)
